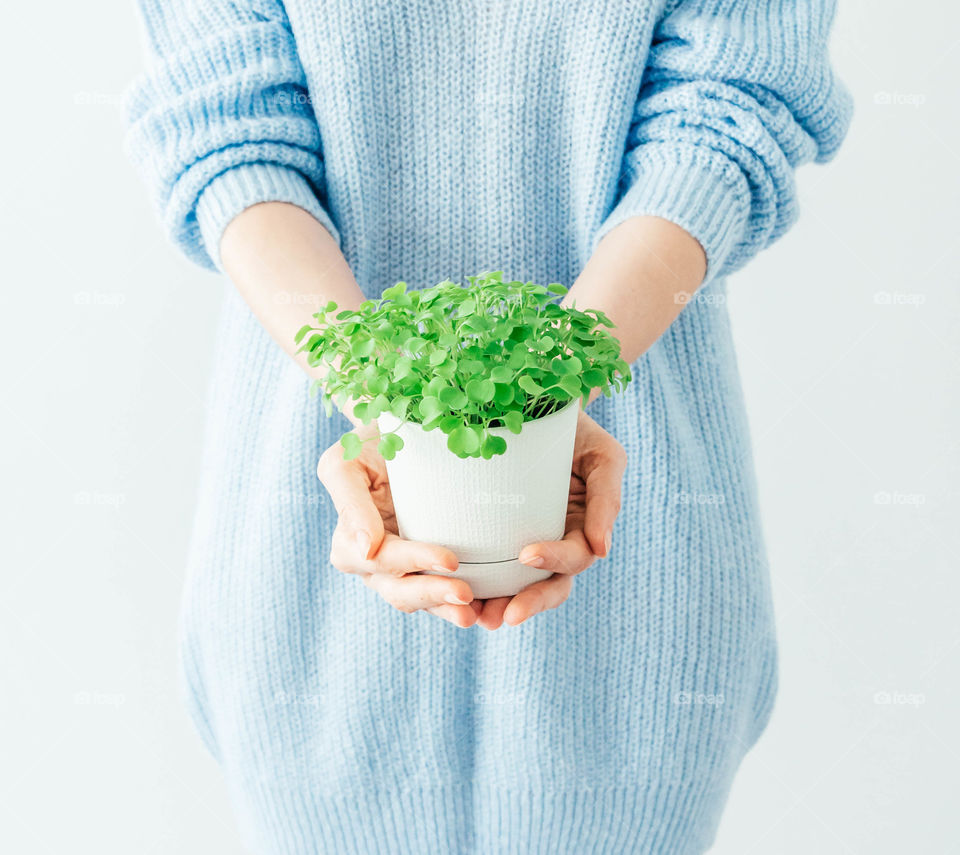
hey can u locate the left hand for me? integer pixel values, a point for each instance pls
(599, 462)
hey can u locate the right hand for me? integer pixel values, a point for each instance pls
(366, 540)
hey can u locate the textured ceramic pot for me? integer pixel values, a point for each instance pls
(486, 511)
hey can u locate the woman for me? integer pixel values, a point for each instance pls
(324, 149)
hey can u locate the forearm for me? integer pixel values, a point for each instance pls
(641, 275)
(287, 266)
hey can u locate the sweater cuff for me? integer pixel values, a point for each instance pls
(697, 188)
(248, 184)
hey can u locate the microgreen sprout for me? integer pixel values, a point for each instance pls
(461, 359)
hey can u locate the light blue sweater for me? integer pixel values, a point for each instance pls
(437, 139)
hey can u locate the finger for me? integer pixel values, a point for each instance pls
(415, 592)
(396, 556)
(462, 616)
(569, 556)
(491, 614)
(359, 521)
(399, 557)
(604, 482)
(537, 598)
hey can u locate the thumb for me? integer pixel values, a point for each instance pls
(362, 525)
(347, 483)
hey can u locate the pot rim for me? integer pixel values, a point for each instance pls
(495, 431)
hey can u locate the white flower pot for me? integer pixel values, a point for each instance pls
(486, 511)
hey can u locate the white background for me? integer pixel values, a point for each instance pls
(849, 345)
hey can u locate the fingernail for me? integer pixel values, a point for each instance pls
(439, 568)
(532, 561)
(363, 541)
(607, 540)
(454, 600)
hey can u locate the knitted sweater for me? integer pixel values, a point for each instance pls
(437, 139)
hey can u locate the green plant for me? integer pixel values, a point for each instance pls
(462, 360)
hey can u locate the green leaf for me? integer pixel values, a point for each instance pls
(570, 384)
(529, 385)
(593, 377)
(557, 288)
(435, 387)
(378, 405)
(301, 333)
(352, 445)
(503, 395)
(431, 424)
(446, 370)
(480, 391)
(361, 347)
(570, 365)
(360, 411)
(513, 421)
(431, 408)
(464, 440)
(389, 445)
(492, 446)
(449, 340)
(395, 291)
(501, 374)
(378, 384)
(453, 397)
(398, 407)
(548, 380)
(542, 345)
(450, 423)
(414, 344)
(601, 317)
(518, 358)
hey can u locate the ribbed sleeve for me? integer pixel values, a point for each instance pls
(222, 119)
(736, 94)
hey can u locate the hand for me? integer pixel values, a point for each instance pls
(599, 462)
(366, 540)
